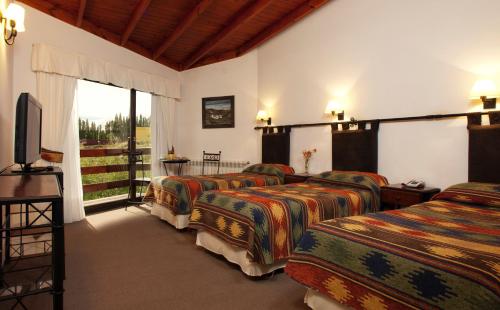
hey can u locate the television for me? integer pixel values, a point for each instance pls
(28, 135)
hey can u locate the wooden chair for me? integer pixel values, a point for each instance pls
(210, 158)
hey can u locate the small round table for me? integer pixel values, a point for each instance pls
(178, 161)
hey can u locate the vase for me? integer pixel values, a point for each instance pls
(306, 165)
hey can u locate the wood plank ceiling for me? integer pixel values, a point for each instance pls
(181, 34)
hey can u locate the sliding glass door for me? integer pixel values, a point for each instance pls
(112, 122)
(139, 144)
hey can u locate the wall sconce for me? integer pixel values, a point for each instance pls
(263, 117)
(486, 91)
(13, 22)
(333, 106)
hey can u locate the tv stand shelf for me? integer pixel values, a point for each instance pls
(57, 171)
(27, 276)
(32, 233)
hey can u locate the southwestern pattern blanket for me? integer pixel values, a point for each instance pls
(269, 222)
(441, 254)
(178, 193)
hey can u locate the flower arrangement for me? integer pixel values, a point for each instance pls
(307, 156)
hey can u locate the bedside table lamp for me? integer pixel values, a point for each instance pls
(263, 117)
(333, 106)
(486, 91)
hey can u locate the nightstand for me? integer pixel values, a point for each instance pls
(395, 196)
(296, 178)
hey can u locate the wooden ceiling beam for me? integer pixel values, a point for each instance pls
(81, 11)
(55, 11)
(239, 19)
(216, 58)
(198, 57)
(293, 16)
(139, 11)
(185, 23)
(290, 18)
(172, 65)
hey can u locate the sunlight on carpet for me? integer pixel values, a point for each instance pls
(116, 217)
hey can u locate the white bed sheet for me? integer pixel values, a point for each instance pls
(178, 221)
(234, 254)
(319, 301)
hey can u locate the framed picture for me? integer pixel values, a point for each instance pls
(218, 112)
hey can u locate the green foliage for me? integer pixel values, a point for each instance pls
(105, 193)
(109, 177)
(104, 177)
(143, 135)
(110, 193)
(103, 161)
(114, 131)
(142, 121)
(114, 135)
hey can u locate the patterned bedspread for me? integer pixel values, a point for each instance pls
(178, 193)
(441, 254)
(269, 222)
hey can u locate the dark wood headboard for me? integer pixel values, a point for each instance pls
(355, 150)
(276, 145)
(484, 148)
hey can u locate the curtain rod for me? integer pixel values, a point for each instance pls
(381, 120)
(113, 85)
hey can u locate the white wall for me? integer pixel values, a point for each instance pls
(42, 28)
(391, 58)
(236, 77)
(6, 108)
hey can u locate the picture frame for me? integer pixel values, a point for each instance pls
(217, 112)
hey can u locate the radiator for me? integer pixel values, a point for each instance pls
(194, 167)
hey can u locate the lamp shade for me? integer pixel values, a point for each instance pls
(484, 88)
(262, 115)
(16, 12)
(332, 106)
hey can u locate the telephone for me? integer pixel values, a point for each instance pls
(414, 184)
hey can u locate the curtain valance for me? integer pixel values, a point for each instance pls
(46, 58)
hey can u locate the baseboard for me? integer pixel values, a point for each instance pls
(106, 206)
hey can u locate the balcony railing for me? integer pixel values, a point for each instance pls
(110, 168)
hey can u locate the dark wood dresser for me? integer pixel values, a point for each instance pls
(395, 196)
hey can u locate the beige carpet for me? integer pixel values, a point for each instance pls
(132, 260)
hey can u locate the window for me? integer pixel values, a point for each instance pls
(104, 128)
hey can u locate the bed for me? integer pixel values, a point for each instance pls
(442, 254)
(172, 197)
(258, 228)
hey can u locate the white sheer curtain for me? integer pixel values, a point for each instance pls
(56, 93)
(57, 72)
(162, 130)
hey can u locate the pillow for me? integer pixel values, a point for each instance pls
(487, 194)
(369, 180)
(271, 169)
